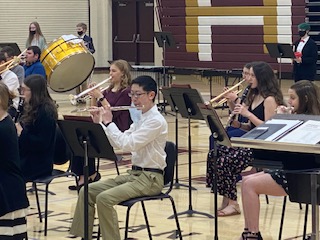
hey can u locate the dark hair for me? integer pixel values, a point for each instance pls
(308, 93)
(267, 83)
(39, 97)
(36, 50)
(248, 65)
(147, 83)
(2, 57)
(9, 50)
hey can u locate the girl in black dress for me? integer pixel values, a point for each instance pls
(262, 100)
(303, 99)
(13, 199)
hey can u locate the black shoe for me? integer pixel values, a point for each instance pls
(251, 235)
(96, 178)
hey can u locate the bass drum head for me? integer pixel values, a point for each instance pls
(71, 72)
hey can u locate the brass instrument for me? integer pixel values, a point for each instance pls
(73, 98)
(219, 100)
(11, 63)
(116, 108)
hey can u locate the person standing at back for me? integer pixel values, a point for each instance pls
(306, 55)
(81, 31)
(18, 70)
(36, 37)
(88, 42)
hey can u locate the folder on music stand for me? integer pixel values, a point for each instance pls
(15, 47)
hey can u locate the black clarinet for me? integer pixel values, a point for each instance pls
(232, 116)
(19, 110)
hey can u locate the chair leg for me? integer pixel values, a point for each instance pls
(34, 186)
(267, 199)
(127, 224)
(176, 217)
(146, 219)
(282, 216)
(98, 237)
(115, 162)
(305, 222)
(46, 211)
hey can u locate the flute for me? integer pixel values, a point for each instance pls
(116, 108)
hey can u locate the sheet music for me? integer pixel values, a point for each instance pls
(307, 133)
(289, 125)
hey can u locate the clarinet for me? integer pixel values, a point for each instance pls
(19, 110)
(232, 116)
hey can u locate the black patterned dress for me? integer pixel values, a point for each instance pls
(231, 162)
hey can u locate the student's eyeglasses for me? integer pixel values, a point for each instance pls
(136, 95)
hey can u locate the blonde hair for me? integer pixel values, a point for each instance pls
(124, 68)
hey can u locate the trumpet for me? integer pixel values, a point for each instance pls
(73, 98)
(219, 100)
(116, 108)
(11, 63)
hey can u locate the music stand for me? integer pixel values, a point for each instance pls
(186, 100)
(164, 40)
(15, 47)
(279, 50)
(220, 136)
(166, 92)
(86, 139)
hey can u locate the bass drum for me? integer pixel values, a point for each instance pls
(67, 63)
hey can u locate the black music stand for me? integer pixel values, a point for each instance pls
(15, 47)
(186, 100)
(86, 140)
(220, 136)
(166, 92)
(164, 40)
(280, 50)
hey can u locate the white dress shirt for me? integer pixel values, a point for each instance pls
(145, 139)
(11, 80)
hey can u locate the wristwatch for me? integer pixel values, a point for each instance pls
(101, 99)
(106, 124)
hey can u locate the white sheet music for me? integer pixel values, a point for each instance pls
(307, 133)
(289, 124)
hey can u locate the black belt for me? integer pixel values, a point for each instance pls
(156, 170)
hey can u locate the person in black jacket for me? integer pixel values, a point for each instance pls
(306, 55)
(13, 198)
(37, 129)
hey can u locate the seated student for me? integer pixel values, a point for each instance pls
(13, 198)
(11, 80)
(304, 98)
(33, 64)
(232, 100)
(18, 70)
(115, 95)
(146, 141)
(36, 128)
(263, 98)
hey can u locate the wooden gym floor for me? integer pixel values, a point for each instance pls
(197, 227)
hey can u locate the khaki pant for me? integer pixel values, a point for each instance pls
(110, 192)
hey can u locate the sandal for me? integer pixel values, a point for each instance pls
(229, 210)
(245, 233)
(251, 235)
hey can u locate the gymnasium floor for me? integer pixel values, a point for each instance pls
(196, 227)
